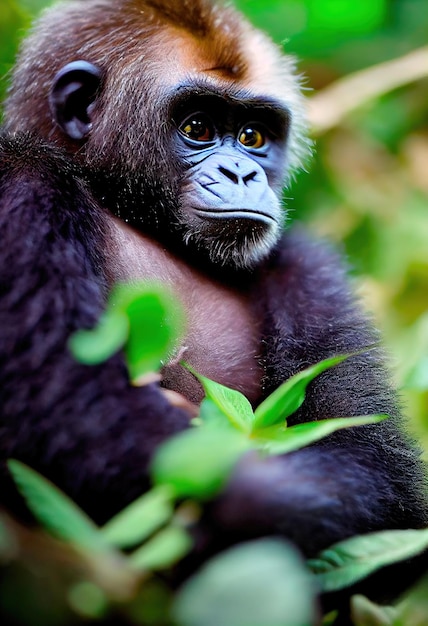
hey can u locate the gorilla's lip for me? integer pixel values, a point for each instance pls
(247, 214)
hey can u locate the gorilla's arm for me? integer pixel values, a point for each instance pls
(85, 428)
(358, 480)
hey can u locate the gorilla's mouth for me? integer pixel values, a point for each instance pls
(235, 214)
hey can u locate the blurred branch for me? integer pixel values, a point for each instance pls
(331, 105)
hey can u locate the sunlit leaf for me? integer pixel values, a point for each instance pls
(367, 613)
(140, 519)
(88, 600)
(233, 404)
(413, 609)
(279, 440)
(262, 583)
(156, 321)
(351, 560)
(197, 462)
(56, 511)
(100, 343)
(164, 550)
(140, 317)
(285, 400)
(210, 414)
(329, 618)
(417, 378)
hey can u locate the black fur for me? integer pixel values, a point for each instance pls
(85, 428)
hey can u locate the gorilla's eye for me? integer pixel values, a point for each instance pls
(252, 136)
(198, 127)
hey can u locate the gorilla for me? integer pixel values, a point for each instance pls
(150, 140)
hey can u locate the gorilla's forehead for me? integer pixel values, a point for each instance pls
(247, 61)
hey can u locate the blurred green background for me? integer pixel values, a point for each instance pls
(367, 187)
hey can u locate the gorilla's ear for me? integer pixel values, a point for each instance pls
(73, 91)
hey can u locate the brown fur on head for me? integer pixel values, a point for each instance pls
(144, 48)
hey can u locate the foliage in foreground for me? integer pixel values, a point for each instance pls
(121, 570)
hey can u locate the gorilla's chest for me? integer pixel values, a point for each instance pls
(222, 338)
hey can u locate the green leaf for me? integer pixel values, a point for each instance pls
(413, 609)
(164, 550)
(285, 400)
(279, 439)
(140, 519)
(367, 613)
(197, 462)
(233, 404)
(417, 378)
(142, 317)
(330, 618)
(156, 322)
(56, 511)
(211, 415)
(100, 343)
(88, 600)
(351, 560)
(262, 583)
